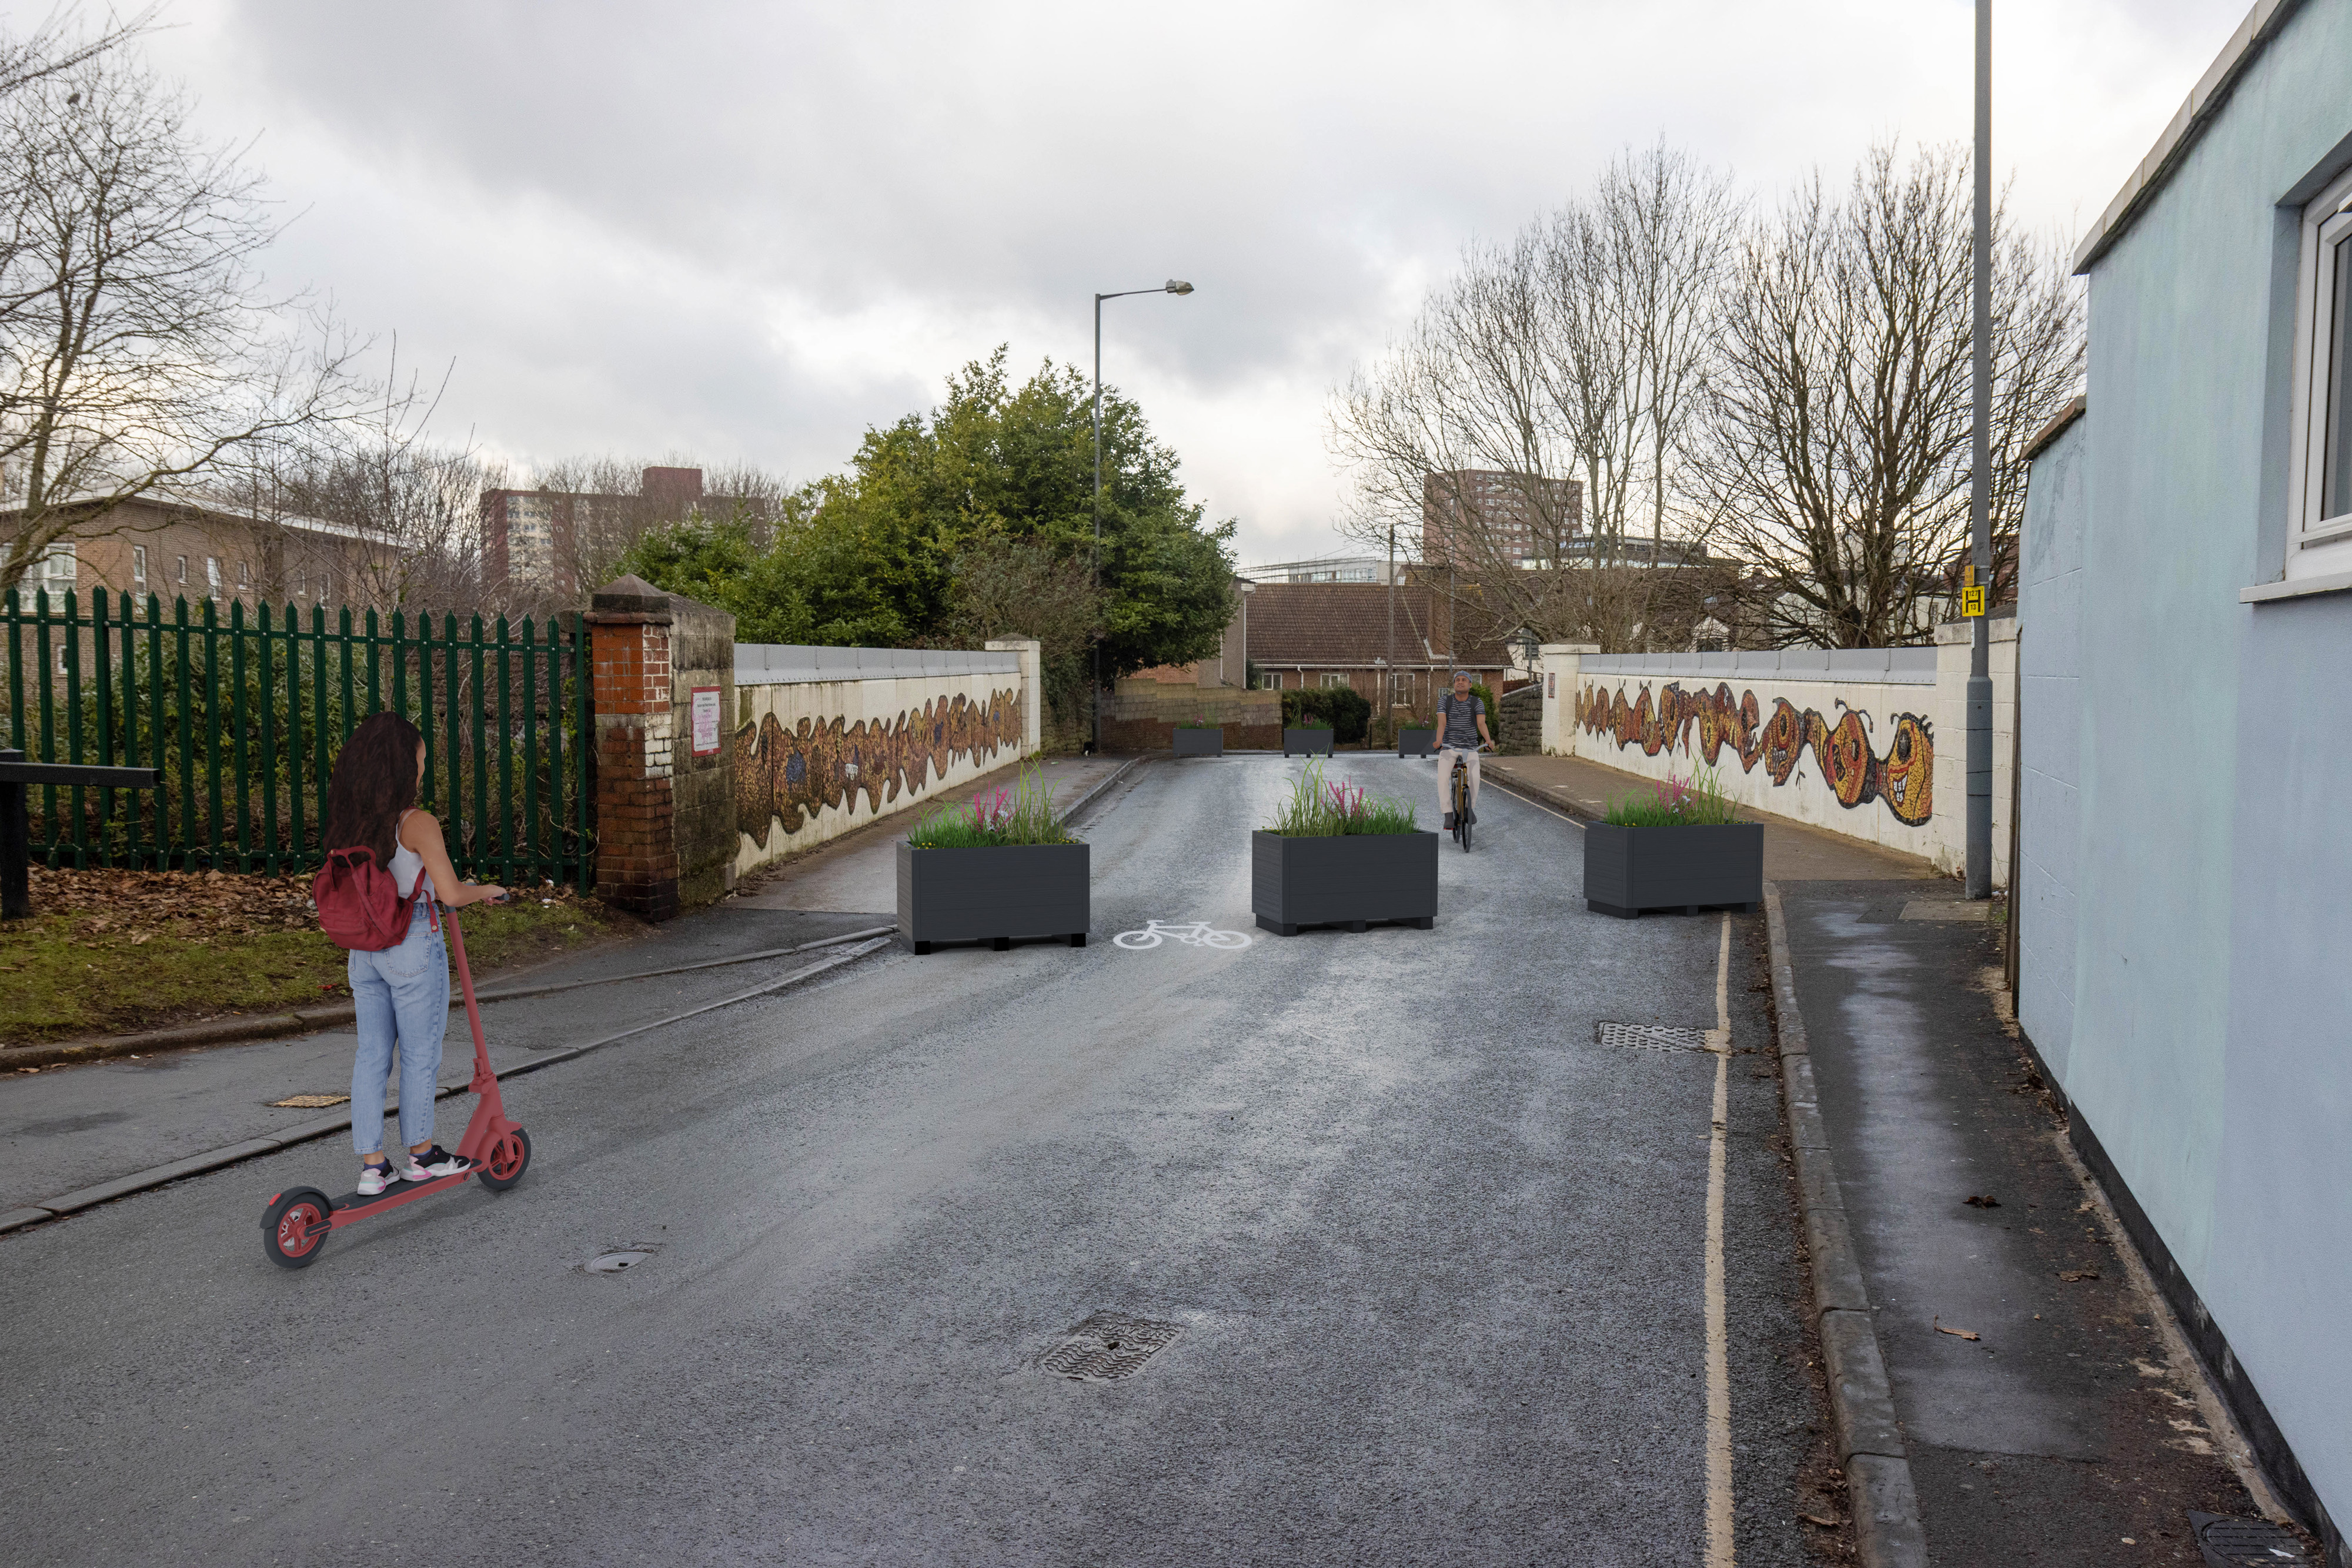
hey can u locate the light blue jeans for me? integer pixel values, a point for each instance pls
(402, 997)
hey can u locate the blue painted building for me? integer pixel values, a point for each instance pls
(2185, 612)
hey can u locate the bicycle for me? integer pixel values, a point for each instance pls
(1462, 814)
(1191, 934)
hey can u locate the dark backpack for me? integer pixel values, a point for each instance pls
(360, 905)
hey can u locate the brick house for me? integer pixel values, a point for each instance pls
(1306, 634)
(176, 549)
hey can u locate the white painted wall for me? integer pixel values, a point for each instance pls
(1878, 684)
(861, 723)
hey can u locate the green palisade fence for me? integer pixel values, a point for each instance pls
(246, 719)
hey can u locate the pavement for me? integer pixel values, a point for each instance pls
(1437, 1261)
(2051, 1412)
(75, 1130)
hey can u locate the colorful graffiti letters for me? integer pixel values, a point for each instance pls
(1905, 778)
(785, 776)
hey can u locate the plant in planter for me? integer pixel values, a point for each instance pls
(1002, 868)
(1335, 855)
(1312, 736)
(1681, 847)
(1200, 737)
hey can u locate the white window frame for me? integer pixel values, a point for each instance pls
(139, 565)
(59, 564)
(2317, 546)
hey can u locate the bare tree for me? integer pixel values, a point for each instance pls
(1541, 399)
(1836, 445)
(139, 350)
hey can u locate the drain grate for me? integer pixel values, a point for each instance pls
(1108, 1346)
(2242, 1542)
(617, 1259)
(1650, 1036)
(311, 1102)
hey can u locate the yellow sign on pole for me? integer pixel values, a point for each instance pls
(1972, 600)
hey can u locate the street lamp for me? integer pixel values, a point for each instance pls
(1093, 564)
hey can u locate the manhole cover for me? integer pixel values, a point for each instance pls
(311, 1102)
(1108, 1346)
(1651, 1036)
(615, 1261)
(2241, 1543)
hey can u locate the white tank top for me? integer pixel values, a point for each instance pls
(408, 865)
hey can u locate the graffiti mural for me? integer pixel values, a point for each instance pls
(787, 775)
(1904, 777)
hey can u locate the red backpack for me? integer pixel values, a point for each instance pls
(360, 905)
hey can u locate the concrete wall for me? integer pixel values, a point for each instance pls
(2050, 600)
(1866, 742)
(2202, 916)
(825, 740)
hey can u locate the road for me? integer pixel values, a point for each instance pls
(1438, 1260)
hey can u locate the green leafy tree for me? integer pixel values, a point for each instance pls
(875, 555)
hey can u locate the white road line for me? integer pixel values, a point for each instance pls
(1718, 1360)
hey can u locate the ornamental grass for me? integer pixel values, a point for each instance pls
(1698, 801)
(1320, 810)
(1024, 814)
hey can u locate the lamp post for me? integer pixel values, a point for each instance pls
(1093, 564)
(1979, 819)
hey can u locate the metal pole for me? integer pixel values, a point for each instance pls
(1094, 563)
(1387, 677)
(1979, 696)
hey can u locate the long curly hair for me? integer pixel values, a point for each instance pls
(374, 783)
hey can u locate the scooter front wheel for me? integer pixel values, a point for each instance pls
(294, 1228)
(509, 1157)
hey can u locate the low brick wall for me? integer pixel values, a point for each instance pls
(1142, 715)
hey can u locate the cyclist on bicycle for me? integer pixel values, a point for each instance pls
(1461, 732)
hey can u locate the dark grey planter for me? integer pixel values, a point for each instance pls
(1417, 742)
(1200, 742)
(1307, 742)
(1628, 871)
(1353, 880)
(999, 895)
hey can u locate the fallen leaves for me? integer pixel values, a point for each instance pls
(2076, 1276)
(1981, 1200)
(1956, 1333)
(1830, 1523)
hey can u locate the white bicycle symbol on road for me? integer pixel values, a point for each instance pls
(1191, 934)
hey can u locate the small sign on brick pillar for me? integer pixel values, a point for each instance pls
(665, 804)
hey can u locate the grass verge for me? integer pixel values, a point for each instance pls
(115, 952)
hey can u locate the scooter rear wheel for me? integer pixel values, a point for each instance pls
(293, 1228)
(509, 1157)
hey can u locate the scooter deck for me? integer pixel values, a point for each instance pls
(359, 1206)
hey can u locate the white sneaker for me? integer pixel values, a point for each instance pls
(374, 1178)
(434, 1161)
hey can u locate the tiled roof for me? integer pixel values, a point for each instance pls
(1345, 625)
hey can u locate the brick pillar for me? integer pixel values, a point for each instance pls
(636, 725)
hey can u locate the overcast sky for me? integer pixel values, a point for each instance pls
(748, 231)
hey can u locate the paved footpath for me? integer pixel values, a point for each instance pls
(66, 1130)
(1439, 1261)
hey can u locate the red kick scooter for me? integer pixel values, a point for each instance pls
(295, 1226)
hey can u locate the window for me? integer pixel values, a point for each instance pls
(57, 568)
(244, 574)
(179, 571)
(1270, 680)
(212, 574)
(2320, 541)
(1331, 680)
(138, 564)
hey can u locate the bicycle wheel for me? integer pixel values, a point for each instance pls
(1228, 939)
(1143, 940)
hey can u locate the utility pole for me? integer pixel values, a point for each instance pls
(1979, 698)
(1387, 677)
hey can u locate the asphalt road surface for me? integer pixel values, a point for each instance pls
(1437, 1256)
